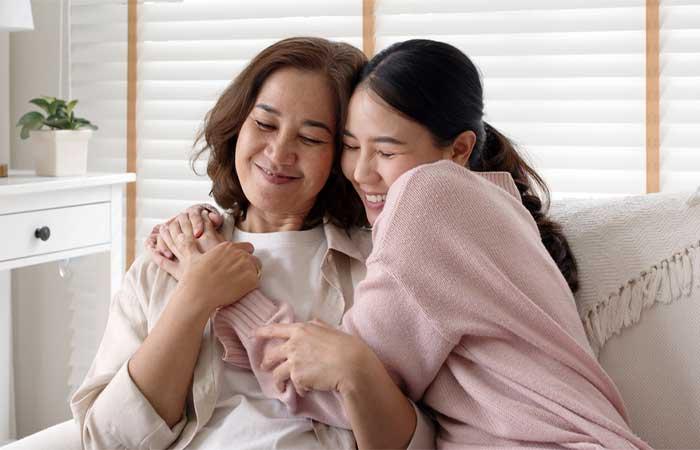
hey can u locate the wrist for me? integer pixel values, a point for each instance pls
(362, 377)
(189, 308)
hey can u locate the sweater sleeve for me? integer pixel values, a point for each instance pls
(409, 346)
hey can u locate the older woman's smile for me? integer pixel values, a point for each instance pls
(276, 176)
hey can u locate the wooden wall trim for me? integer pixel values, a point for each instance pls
(368, 28)
(131, 151)
(653, 116)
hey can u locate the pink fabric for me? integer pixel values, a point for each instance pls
(470, 315)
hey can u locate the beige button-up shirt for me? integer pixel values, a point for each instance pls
(111, 411)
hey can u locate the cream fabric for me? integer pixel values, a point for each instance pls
(639, 268)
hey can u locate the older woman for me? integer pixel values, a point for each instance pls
(157, 380)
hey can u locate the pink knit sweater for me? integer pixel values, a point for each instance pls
(470, 315)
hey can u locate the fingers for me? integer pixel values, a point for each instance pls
(275, 330)
(186, 224)
(281, 375)
(213, 214)
(208, 225)
(258, 266)
(167, 265)
(195, 218)
(274, 355)
(217, 219)
(162, 248)
(166, 239)
(181, 243)
(245, 246)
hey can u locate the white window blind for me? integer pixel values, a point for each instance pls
(188, 53)
(98, 58)
(564, 79)
(680, 94)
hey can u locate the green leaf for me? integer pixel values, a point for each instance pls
(30, 121)
(71, 105)
(32, 116)
(61, 124)
(41, 103)
(84, 123)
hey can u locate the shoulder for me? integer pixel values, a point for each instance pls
(445, 199)
(147, 284)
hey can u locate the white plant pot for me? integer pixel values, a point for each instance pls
(60, 153)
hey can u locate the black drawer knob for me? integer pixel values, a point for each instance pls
(43, 233)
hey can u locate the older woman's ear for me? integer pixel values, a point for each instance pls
(462, 147)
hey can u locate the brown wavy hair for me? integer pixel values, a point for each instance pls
(341, 64)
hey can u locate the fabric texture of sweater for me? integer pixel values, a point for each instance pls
(469, 314)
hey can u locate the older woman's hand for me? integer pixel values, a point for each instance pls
(182, 224)
(315, 356)
(212, 271)
(194, 214)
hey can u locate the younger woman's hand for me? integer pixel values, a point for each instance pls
(315, 356)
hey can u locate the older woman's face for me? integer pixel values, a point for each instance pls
(284, 151)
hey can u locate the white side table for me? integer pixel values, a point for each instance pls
(44, 219)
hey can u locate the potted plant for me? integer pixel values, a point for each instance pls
(61, 147)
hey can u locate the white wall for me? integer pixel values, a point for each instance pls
(4, 97)
(41, 299)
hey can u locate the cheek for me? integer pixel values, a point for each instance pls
(320, 165)
(348, 161)
(392, 169)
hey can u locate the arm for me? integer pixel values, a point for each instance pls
(108, 390)
(134, 394)
(162, 367)
(370, 403)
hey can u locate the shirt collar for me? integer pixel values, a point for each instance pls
(355, 243)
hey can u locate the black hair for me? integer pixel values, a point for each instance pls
(445, 95)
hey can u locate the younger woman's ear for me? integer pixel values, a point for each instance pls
(462, 147)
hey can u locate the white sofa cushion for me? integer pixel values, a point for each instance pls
(639, 300)
(62, 436)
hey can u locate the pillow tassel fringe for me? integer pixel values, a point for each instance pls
(672, 279)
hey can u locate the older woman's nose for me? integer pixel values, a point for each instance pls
(281, 151)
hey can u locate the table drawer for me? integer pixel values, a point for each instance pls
(70, 227)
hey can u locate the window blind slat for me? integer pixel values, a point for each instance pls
(564, 80)
(680, 95)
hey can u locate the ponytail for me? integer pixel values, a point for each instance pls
(497, 154)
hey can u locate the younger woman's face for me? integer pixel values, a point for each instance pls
(379, 145)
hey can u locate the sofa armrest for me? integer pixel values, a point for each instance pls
(62, 436)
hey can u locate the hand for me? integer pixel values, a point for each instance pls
(316, 356)
(219, 277)
(159, 249)
(209, 239)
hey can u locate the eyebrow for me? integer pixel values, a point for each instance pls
(307, 122)
(378, 139)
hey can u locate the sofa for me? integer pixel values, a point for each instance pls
(639, 302)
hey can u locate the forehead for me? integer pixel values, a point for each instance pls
(300, 94)
(369, 115)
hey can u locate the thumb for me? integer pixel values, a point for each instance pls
(245, 246)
